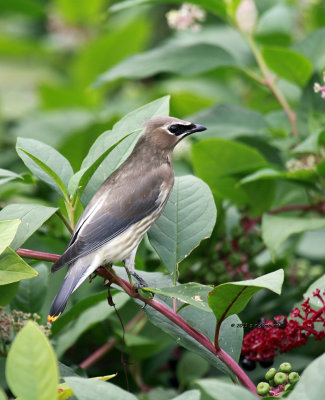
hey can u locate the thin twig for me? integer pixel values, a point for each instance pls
(65, 221)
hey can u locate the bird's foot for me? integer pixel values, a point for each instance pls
(91, 277)
(141, 284)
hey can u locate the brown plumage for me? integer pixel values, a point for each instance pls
(124, 207)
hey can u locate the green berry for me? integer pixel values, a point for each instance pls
(220, 267)
(244, 243)
(280, 378)
(294, 377)
(272, 383)
(237, 231)
(285, 367)
(270, 374)
(235, 259)
(288, 386)
(210, 276)
(225, 248)
(263, 388)
(316, 271)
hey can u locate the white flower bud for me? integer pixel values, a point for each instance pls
(246, 16)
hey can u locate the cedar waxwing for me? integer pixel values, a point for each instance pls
(123, 209)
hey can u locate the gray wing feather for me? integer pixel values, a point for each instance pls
(114, 211)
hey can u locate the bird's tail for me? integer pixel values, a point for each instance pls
(60, 301)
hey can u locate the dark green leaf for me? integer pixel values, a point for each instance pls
(288, 64)
(276, 229)
(188, 218)
(8, 292)
(215, 389)
(306, 175)
(229, 121)
(13, 268)
(86, 320)
(46, 163)
(180, 59)
(191, 367)
(231, 298)
(188, 395)
(313, 47)
(31, 292)
(32, 216)
(31, 369)
(87, 389)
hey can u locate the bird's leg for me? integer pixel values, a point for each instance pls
(129, 267)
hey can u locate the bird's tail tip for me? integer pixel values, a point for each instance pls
(52, 318)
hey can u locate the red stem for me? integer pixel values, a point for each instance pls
(167, 312)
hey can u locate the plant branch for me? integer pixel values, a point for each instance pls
(65, 221)
(108, 273)
(269, 81)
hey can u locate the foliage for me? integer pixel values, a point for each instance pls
(245, 218)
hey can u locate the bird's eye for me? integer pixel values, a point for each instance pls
(173, 129)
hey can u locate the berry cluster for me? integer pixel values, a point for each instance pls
(279, 382)
(282, 334)
(10, 324)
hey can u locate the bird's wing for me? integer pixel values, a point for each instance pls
(110, 214)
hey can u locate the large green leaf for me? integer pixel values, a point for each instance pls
(215, 389)
(229, 121)
(7, 176)
(312, 46)
(32, 216)
(318, 284)
(215, 6)
(191, 367)
(8, 231)
(288, 64)
(175, 58)
(132, 122)
(46, 163)
(188, 395)
(231, 298)
(311, 383)
(8, 292)
(190, 293)
(188, 218)
(31, 292)
(31, 370)
(217, 161)
(277, 229)
(306, 175)
(89, 389)
(13, 268)
(86, 320)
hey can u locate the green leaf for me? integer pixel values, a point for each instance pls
(276, 229)
(88, 389)
(87, 319)
(82, 177)
(214, 389)
(85, 13)
(311, 384)
(76, 310)
(8, 292)
(229, 121)
(231, 298)
(217, 160)
(174, 58)
(306, 175)
(13, 268)
(312, 46)
(215, 6)
(8, 231)
(191, 293)
(31, 369)
(31, 292)
(288, 64)
(188, 395)
(191, 367)
(318, 284)
(32, 216)
(7, 176)
(132, 122)
(188, 218)
(46, 163)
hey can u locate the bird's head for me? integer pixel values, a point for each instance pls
(165, 132)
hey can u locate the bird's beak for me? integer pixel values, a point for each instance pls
(197, 128)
